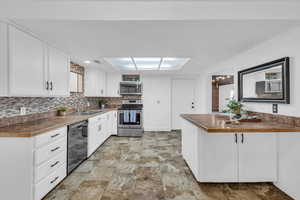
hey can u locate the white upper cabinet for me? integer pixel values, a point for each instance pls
(3, 60)
(95, 82)
(29, 67)
(26, 64)
(59, 72)
(113, 84)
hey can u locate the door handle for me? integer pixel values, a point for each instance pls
(242, 138)
(235, 138)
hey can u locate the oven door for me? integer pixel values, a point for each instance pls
(130, 119)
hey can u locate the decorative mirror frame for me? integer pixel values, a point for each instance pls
(285, 62)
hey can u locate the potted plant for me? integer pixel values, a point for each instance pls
(62, 110)
(235, 107)
(102, 103)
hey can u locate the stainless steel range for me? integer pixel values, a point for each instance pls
(130, 118)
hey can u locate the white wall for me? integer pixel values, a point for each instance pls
(286, 44)
(157, 103)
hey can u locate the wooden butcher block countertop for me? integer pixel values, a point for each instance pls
(216, 123)
(33, 128)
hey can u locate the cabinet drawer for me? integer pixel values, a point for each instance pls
(97, 118)
(48, 183)
(45, 153)
(49, 137)
(50, 166)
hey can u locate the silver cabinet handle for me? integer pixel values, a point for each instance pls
(54, 164)
(54, 179)
(53, 136)
(51, 85)
(52, 150)
(236, 139)
(47, 85)
(242, 138)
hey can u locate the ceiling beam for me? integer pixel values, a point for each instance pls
(155, 10)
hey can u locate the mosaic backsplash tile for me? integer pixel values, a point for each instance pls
(10, 106)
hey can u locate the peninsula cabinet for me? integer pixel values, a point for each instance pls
(229, 157)
(32, 67)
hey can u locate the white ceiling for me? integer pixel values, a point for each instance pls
(205, 42)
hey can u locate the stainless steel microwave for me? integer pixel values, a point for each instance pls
(131, 88)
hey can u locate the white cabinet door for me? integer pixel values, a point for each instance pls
(59, 72)
(190, 146)
(92, 138)
(114, 123)
(258, 157)
(27, 65)
(3, 60)
(218, 160)
(113, 84)
(95, 81)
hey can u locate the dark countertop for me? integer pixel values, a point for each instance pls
(215, 123)
(33, 128)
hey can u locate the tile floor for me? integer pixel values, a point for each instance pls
(148, 168)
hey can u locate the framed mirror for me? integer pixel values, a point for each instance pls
(269, 82)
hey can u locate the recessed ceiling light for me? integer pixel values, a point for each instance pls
(87, 61)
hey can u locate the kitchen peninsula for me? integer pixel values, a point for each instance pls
(247, 152)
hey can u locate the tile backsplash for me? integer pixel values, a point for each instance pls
(10, 106)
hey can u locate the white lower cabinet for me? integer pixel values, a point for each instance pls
(229, 157)
(48, 183)
(32, 166)
(100, 128)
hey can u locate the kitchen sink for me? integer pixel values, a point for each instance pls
(88, 112)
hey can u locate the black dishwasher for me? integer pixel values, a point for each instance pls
(77, 144)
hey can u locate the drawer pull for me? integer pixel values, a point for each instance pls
(54, 179)
(52, 150)
(53, 136)
(54, 164)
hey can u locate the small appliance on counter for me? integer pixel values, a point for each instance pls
(130, 118)
(77, 144)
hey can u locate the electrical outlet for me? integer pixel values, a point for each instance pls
(23, 111)
(275, 108)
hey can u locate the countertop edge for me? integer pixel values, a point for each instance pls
(29, 134)
(239, 130)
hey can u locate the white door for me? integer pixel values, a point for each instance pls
(156, 100)
(112, 84)
(258, 157)
(219, 157)
(27, 65)
(59, 72)
(183, 99)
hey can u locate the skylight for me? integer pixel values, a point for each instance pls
(148, 63)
